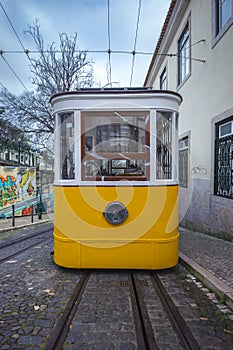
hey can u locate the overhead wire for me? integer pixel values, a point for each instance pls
(27, 54)
(12, 27)
(14, 72)
(135, 42)
(20, 41)
(109, 77)
(108, 51)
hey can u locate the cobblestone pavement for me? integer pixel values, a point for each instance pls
(29, 308)
(34, 292)
(215, 255)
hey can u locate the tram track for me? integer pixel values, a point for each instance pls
(61, 329)
(146, 337)
(15, 244)
(186, 337)
(179, 325)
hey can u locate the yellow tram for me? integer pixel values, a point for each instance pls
(116, 188)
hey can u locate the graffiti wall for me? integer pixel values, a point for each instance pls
(26, 182)
(16, 184)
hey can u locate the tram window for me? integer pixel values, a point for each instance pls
(66, 133)
(164, 144)
(115, 144)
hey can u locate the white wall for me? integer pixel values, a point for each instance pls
(207, 93)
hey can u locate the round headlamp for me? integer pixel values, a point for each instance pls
(115, 213)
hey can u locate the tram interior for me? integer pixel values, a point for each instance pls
(115, 145)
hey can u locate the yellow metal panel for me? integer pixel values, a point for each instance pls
(148, 238)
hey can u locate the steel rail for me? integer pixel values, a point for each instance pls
(62, 327)
(144, 331)
(180, 326)
(23, 250)
(24, 238)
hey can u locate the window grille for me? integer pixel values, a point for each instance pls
(183, 162)
(164, 142)
(223, 185)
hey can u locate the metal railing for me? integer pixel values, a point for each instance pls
(35, 203)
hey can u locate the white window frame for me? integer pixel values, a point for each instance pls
(219, 29)
(218, 121)
(184, 54)
(221, 125)
(185, 136)
(163, 79)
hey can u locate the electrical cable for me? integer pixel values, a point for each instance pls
(109, 51)
(135, 42)
(14, 72)
(18, 38)
(109, 48)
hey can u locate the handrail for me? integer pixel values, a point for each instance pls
(21, 205)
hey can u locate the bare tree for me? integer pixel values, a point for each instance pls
(53, 71)
(59, 70)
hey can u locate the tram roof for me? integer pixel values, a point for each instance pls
(115, 90)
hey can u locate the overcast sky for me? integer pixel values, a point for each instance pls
(89, 19)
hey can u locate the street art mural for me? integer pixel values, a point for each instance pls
(26, 181)
(16, 185)
(8, 190)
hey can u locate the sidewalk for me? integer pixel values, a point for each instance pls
(24, 221)
(210, 259)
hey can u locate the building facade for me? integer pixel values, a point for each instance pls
(193, 56)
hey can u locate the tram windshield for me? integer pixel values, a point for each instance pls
(115, 146)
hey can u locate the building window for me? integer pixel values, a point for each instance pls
(163, 80)
(223, 184)
(183, 161)
(222, 14)
(184, 55)
(222, 17)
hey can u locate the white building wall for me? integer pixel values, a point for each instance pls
(207, 95)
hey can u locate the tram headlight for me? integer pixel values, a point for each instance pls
(115, 213)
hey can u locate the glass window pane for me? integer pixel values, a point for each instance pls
(163, 80)
(183, 55)
(226, 11)
(164, 145)
(225, 129)
(183, 162)
(115, 144)
(66, 132)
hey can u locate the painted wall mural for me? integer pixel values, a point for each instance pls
(16, 185)
(8, 190)
(26, 181)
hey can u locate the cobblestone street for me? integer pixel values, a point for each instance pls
(34, 293)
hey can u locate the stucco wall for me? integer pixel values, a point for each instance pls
(207, 92)
(202, 211)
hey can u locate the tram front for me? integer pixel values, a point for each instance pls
(116, 188)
